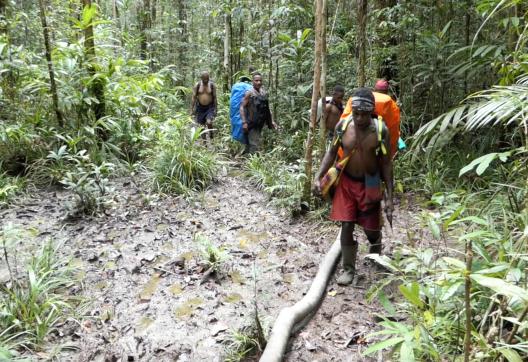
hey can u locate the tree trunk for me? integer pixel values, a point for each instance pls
(97, 85)
(118, 31)
(466, 38)
(181, 49)
(144, 25)
(362, 42)
(322, 122)
(315, 97)
(227, 50)
(53, 85)
(270, 58)
(3, 22)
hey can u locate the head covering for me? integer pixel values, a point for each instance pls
(245, 78)
(363, 104)
(382, 85)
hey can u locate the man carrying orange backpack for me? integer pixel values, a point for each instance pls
(385, 107)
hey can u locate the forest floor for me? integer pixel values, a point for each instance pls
(140, 270)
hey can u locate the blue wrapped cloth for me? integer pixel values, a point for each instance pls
(401, 144)
(237, 95)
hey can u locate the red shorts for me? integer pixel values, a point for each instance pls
(348, 204)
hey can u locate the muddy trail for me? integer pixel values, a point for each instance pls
(150, 294)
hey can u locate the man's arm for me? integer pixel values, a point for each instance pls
(213, 91)
(386, 174)
(193, 101)
(328, 160)
(271, 123)
(243, 105)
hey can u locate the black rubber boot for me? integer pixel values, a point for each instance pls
(375, 247)
(349, 253)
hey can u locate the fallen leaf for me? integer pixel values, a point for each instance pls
(150, 288)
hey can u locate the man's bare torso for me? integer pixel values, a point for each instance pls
(364, 143)
(332, 116)
(204, 93)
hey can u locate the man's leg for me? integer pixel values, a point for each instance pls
(349, 248)
(254, 140)
(209, 123)
(374, 237)
(246, 144)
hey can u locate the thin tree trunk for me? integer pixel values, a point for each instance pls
(467, 29)
(53, 85)
(322, 122)
(97, 85)
(144, 26)
(227, 50)
(3, 22)
(308, 157)
(467, 297)
(182, 46)
(270, 55)
(362, 41)
(118, 32)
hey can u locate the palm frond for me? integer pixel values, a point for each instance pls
(499, 105)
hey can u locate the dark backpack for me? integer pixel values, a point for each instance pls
(259, 112)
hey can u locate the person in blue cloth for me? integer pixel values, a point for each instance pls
(255, 113)
(238, 91)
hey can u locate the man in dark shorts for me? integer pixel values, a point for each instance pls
(358, 194)
(204, 103)
(255, 113)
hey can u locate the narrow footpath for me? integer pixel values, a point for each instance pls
(148, 295)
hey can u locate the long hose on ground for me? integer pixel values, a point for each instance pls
(289, 317)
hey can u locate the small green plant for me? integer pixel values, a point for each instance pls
(213, 256)
(9, 188)
(34, 301)
(180, 164)
(242, 345)
(89, 181)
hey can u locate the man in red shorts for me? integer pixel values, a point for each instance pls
(358, 194)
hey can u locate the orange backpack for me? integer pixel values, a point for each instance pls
(389, 112)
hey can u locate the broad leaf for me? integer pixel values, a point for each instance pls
(406, 352)
(511, 355)
(500, 286)
(384, 344)
(412, 294)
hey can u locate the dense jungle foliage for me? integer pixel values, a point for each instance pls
(93, 90)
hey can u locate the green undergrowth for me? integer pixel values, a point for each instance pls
(10, 187)
(36, 297)
(181, 162)
(283, 181)
(431, 282)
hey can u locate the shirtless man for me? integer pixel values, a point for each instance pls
(358, 195)
(334, 110)
(204, 104)
(255, 113)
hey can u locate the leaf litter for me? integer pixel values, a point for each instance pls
(169, 311)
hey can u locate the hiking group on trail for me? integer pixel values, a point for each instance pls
(356, 171)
